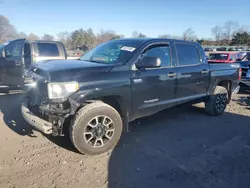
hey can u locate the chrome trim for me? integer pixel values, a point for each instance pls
(236, 90)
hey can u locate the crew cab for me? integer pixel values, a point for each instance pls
(222, 57)
(19, 55)
(95, 97)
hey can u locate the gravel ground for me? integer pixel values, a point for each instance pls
(180, 147)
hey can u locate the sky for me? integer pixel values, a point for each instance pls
(150, 17)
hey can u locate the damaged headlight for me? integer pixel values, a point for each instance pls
(61, 90)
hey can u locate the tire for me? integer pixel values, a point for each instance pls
(94, 120)
(217, 102)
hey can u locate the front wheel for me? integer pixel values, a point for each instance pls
(217, 102)
(96, 128)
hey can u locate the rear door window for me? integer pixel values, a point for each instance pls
(48, 49)
(187, 54)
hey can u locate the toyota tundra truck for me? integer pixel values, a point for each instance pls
(94, 98)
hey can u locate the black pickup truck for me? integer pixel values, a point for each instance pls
(95, 97)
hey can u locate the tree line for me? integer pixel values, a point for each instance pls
(231, 33)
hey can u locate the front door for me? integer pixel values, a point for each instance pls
(12, 64)
(153, 89)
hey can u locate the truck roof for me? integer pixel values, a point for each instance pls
(31, 41)
(157, 40)
(47, 41)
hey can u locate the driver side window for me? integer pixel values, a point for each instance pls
(14, 49)
(161, 51)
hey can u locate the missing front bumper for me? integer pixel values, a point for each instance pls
(40, 124)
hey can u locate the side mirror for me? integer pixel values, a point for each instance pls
(148, 62)
(2, 53)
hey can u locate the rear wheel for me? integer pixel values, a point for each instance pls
(96, 128)
(217, 102)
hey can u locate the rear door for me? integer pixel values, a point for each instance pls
(193, 72)
(12, 65)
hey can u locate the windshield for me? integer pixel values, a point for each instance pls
(112, 52)
(218, 57)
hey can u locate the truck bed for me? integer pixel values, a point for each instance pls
(224, 66)
(224, 71)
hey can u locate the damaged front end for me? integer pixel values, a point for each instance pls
(48, 118)
(46, 115)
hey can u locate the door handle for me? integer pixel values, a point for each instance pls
(18, 63)
(204, 71)
(171, 74)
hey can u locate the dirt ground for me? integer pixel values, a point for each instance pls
(180, 147)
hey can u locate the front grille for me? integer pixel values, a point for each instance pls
(38, 94)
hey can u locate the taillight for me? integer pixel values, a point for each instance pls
(240, 73)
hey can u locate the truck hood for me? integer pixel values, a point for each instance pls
(68, 70)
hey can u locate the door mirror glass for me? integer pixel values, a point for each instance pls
(148, 62)
(2, 53)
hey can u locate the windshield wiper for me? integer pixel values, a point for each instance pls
(93, 61)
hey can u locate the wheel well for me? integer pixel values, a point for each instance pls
(227, 84)
(114, 101)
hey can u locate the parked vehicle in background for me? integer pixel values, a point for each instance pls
(208, 49)
(238, 49)
(222, 57)
(232, 49)
(120, 81)
(241, 55)
(222, 49)
(245, 66)
(17, 56)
